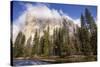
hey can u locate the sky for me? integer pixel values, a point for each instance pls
(74, 11)
(19, 10)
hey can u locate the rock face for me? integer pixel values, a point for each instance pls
(34, 23)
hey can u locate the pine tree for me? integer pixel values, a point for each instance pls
(85, 37)
(28, 48)
(56, 42)
(60, 42)
(76, 41)
(65, 43)
(93, 42)
(51, 45)
(41, 45)
(35, 48)
(19, 45)
(46, 42)
(90, 21)
(86, 42)
(83, 23)
(92, 27)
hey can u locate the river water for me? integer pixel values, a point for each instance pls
(28, 62)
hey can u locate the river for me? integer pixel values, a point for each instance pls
(28, 62)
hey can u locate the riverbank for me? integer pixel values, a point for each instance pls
(67, 59)
(70, 59)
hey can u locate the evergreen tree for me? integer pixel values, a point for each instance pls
(92, 27)
(90, 21)
(35, 48)
(83, 23)
(41, 45)
(65, 43)
(86, 47)
(85, 37)
(93, 42)
(46, 42)
(28, 48)
(56, 42)
(60, 42)
(76, 42)
(19, 45)
(51, 45)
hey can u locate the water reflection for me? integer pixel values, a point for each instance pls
(28, 62)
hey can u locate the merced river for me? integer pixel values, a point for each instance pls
(25, 62)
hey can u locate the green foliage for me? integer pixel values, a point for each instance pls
(41, 45)
(35, 48)
(28, 48)
(46, 42)
(93, 30)
(60, 42)
(93, 42)
(85, 41)
(88, 32)
(18, 45)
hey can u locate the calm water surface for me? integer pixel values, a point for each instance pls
(28, 62)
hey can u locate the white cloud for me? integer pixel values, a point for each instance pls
(18, 25)
(78, 22)
(15, 31)
(42, 11)
(38, 11)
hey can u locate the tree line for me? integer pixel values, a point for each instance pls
(60, 43)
